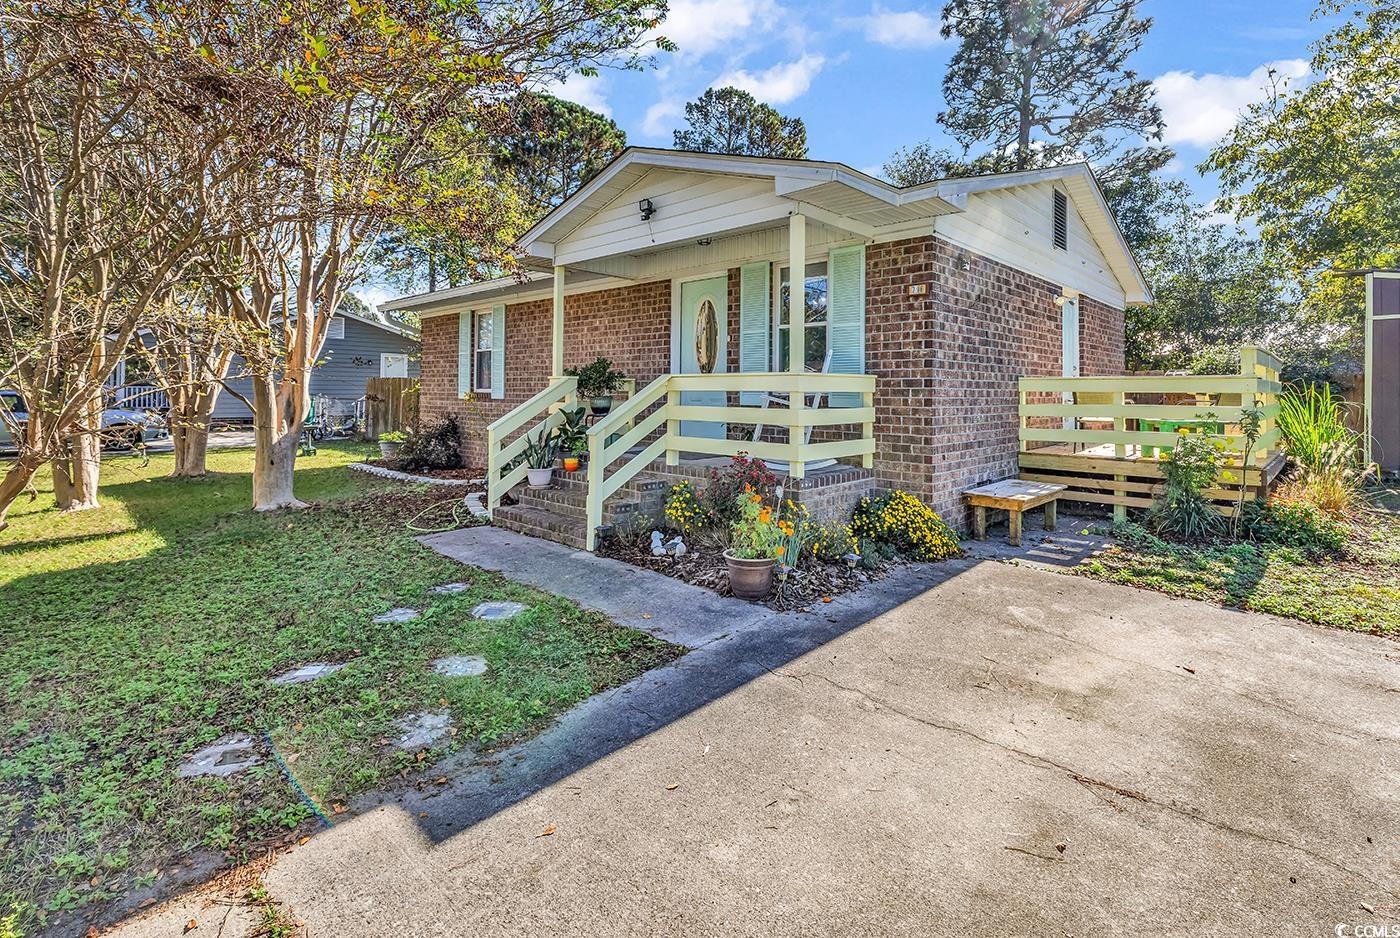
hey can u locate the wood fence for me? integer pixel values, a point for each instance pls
(1105, 437)
(390, 404)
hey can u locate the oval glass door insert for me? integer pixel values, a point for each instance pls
(706, 337)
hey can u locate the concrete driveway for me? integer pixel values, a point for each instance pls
(1005, 751)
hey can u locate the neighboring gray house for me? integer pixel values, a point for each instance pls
(359, 346)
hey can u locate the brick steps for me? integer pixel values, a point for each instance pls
(538, 522)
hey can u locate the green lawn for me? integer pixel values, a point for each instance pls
(1359, 590)
(133, 635)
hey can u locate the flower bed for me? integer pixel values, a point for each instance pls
(741, 519)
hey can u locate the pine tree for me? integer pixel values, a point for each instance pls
(1044, 82)
(728, 120)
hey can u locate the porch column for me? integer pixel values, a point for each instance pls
(797, 293)
(557, 362)
(797, 338)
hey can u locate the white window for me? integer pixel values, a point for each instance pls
(481, 351)
(814, 319)
(393, 365)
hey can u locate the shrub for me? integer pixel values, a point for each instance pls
(742, 475)
(1299, 524)
(833, 542)
(685, 511)
(1183, 511)
(597, 378)
(438, 446)
(906, 524)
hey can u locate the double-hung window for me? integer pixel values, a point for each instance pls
(482, 344)
(814, 319)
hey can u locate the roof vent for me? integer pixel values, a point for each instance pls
(1061, 226)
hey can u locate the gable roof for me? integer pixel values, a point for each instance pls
(838, 194)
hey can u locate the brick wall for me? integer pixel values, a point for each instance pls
(629, 325)
(946, 362)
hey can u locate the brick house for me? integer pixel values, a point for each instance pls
(923, 306)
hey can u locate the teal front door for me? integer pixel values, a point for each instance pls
(704, 339)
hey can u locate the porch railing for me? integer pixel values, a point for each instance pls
(1105, 436)
(138, 397)
(656, 411)
(504, 442)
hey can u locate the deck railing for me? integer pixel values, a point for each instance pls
(541, 410)
(1104, 436)
(652, 420)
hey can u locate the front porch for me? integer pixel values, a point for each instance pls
(650, 441)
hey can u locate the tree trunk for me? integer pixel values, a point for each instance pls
(190, 415)
(87, 469)
(13, 483)
(278, 413)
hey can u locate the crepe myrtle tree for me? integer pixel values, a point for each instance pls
(116, 133)
(377, 82)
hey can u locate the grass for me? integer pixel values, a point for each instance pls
(135, 634)
(1357, 590)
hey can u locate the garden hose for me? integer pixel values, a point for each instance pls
(457, 520)
(296, 786)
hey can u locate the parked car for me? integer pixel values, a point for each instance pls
(121, 428)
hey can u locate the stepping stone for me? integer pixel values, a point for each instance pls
(422, 730)
(397, 614)
(460, 666)
(222, 758)
(498, 610)
(307, 672)
(450, 588)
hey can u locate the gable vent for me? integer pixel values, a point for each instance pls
(1061, 229)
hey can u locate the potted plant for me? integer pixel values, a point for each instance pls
(756, 543)
(390, 443)
(571, 438)
(539, 460)
(598, 382)
(577, 457)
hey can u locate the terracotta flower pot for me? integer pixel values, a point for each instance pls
(750, 579)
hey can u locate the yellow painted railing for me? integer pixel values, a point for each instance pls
(1143, 429)
(656, 411)
(546, 408)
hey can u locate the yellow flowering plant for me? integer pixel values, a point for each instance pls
(686, 511)
(905, 523)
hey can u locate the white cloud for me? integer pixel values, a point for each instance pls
(662, 117)
(582, 89)
(777, 85)
(909, 29)
(698, 27)
(376, 294)
(1200, 109)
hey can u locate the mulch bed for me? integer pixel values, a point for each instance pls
(814, 584)
(471, 472)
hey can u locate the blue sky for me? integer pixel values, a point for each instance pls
(866, 75)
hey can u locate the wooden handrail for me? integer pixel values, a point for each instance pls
(559, 391)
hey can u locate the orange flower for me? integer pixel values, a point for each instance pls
(765, 516)
(781, 549)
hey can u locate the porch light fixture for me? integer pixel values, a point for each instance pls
(646, 208)
(704, 242)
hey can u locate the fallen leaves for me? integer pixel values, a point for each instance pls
(672, 787)
(548, 831)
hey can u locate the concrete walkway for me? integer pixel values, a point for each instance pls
(988, 749)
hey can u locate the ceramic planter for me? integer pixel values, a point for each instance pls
(571, 464)
(601, 404)
(750, 579)
(389, 450)
(540, 478)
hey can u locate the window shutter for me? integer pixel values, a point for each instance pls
(464, 352)
(755, 325)
(845, 313)
(498, 351)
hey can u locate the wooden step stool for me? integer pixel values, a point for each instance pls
(1012, 496)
